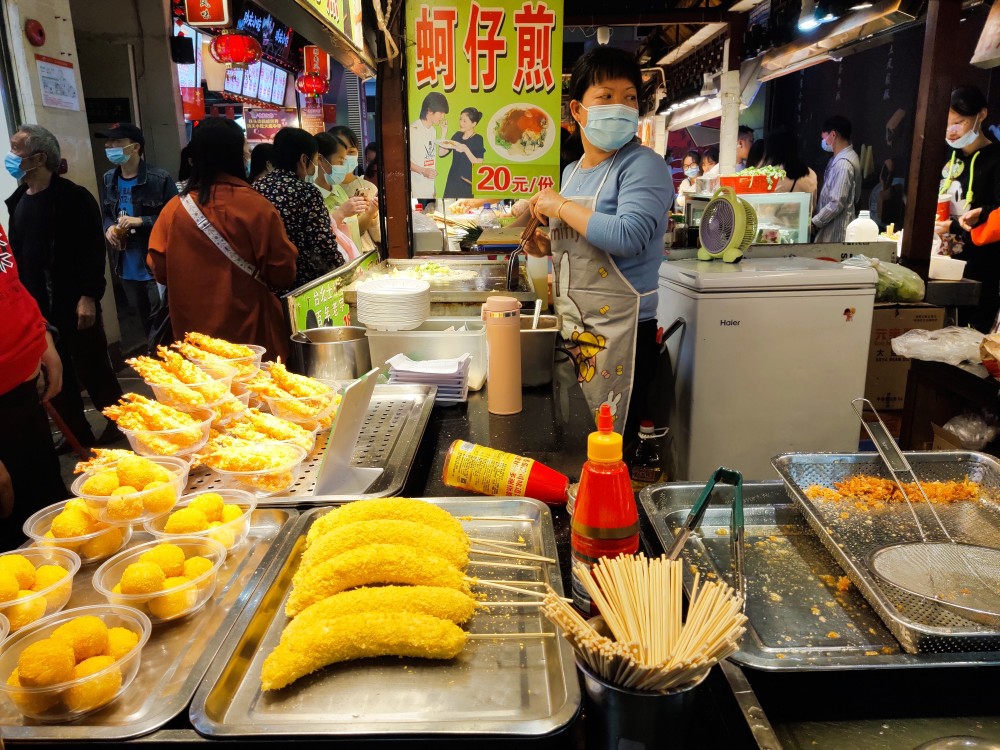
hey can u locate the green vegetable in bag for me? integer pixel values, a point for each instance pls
(896, 283)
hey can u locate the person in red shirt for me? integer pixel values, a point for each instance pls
(30, 373)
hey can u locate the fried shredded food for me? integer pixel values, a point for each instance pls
(870, 492)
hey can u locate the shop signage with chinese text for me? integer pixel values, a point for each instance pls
(207, 13)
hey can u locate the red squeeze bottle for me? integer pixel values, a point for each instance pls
(605, 519)
(491, 472)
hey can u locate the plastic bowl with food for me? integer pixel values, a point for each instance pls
(180, 441)
(279, 462)
(92, 547)
(218, 380)
(136, 507)
(47, 589)
(210, 520)
(298, 409)
(104, 676)
(308, 441)
(246, 367)
(174, 598)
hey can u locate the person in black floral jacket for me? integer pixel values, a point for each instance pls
(307, 222)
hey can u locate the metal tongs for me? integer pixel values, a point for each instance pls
(728, 476)
(512, 264)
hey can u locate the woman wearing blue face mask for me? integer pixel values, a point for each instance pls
(692, 171)
(360, 197)
(332, 167)
(607, 228)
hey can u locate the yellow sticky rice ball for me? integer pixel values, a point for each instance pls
(46, 575)
(33, 703)
(8, 586)
(103, 545)
(225, 537)
(20, 567)
(211, 504)
(101, 484)
(124, 504)
(142, 578)
(120, 642)
(77, 503)
(46, 662)
(169, 557)
(231, 513)
(96, 692)
(174, 603)
(72, 522)
(24, 613)
(159, 497)
(197, 566)
(136, 471)
(87, 635)
(186, 521)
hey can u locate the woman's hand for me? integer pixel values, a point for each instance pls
(52, 365)
(970, 219)
(354, 206)
(942, 227)
(111, 235)
(545, 205)
(538, 245)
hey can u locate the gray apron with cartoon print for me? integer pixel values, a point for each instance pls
(600, 312)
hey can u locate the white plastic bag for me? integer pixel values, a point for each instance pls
(972, 431)
(953, 345)
(896, 283)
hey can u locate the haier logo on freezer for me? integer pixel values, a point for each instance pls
(729, 322)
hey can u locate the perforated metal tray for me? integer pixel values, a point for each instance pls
(389, 439)
(851, 534)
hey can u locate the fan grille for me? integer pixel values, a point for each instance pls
(718, 224)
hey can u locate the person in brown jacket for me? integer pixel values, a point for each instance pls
(207, 291)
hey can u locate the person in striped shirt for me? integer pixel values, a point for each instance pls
(841, 183)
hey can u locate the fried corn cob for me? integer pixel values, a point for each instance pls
(297, 385)
(394, 508)
(219, 347)
(350, 536)
(371, 564)
(360, 636)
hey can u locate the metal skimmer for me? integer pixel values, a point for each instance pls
(963, 578)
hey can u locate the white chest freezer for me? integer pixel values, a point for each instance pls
(772, 352)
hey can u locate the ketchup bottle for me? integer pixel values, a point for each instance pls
(605, 519)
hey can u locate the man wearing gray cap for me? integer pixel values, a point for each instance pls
(132, 195)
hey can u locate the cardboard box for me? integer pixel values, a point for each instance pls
(885, 385)
(944, 440)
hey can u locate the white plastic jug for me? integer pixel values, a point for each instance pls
(862, 229)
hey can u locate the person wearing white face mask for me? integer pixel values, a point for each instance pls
(355, 196)
(607, 231)
(692, 171)
(841, 182)
(971, 176)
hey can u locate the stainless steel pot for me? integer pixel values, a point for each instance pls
(538, 348)
(331, 353)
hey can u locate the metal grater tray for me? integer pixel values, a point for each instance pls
(799, 620)
(396, 420)
(851, 535)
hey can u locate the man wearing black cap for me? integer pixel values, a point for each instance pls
(132, 196)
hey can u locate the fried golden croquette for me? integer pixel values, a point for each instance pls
(371, 564)
(95, 692)
(340, 539)
(142, 578)
(393, 508)
(103, 545)
(231, 512)
(159, 497)
(360, 636)
(46, 662)
(197, 566)
(169, 557)
(31, 703)
(101, 484)
(211, 504)
(87, 635)
(20, 567)
(22, 613)
(8, 586)
(136, 471)
(46, 575)
(186, 521)
(120, 642)
(124, 504)
(72, 522)
(173, 604)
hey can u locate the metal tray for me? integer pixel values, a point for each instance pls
(496, 688)
(177, 654)
(792, 599)
(491, 279)
(850, 535)
(390, 437)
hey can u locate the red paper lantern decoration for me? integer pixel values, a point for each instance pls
(235, 49)
(312, 84)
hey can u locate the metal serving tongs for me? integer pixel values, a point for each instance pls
(963, 578)
(728, 476)
(512, 262)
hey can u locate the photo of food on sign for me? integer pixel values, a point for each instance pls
(521, 133)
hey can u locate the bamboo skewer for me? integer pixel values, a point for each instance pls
(491, 564)
(508, 604)
(506, 636)
(502, 587)
(496, 542)
(517, 555)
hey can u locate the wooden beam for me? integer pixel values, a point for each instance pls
(656, 18)
(393, 147)
(939, 68)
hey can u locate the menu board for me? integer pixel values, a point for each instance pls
(266, 82)
(234, 81)
(251, 80)
(278, 88)
(488, 83)
(275, 38)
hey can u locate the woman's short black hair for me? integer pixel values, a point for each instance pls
(433, 102)
(259, 158)
(712, 154)
(968, 101)
(373, 147)
(605, 64)
(329, 144)
(345, 134)
(216, 150)
(473, 114)
(693, 155)
(290, 145)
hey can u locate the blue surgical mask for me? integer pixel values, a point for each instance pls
(339, 172)
(13, 164)
(117, 155)
(692, 172)
(351, 162)
(825, 146)
(311, 178)
(610, 126)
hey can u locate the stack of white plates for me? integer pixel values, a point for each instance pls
(394, 304)
(451, 376)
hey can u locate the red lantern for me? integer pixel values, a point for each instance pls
(235, 49)
(312, 84)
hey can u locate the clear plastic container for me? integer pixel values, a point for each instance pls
(152, 506)
(266, 482)
(170, 604)
(246, 367)
(218, 381)
(305, 408)
(230, 535)
(45, 601)
(93, 547)
(181, 441)
(4, 627)
(70, 700)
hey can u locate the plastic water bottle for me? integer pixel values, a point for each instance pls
(862, 229)
(488, 218)
(605, 519)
